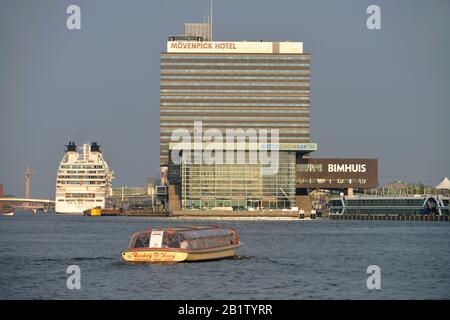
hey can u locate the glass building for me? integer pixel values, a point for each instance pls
(235, 85)
(241, 187)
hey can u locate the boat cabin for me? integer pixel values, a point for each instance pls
(185, 238)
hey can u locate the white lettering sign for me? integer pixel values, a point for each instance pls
(156, 239)
(235, 47)
(347, 167)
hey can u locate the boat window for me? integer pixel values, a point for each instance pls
(185, 244)
(208, 233)
(141, 240)
(170, 240)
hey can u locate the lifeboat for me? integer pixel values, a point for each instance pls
(192, 243)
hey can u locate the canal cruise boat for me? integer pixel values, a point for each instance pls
(393, 205)
(192, 243)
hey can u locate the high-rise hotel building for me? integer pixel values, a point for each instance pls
(235, 85)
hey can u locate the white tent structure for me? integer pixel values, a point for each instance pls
(444, 185)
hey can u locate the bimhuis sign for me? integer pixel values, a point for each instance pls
(337, 173)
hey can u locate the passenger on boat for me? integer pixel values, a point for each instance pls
(184, 244)
(170, 241)
(231, 238)
(142, 241)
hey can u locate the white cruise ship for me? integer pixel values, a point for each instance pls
(83, 180)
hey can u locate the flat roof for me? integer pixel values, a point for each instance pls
(234, 47)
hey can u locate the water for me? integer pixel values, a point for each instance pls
(322, 259)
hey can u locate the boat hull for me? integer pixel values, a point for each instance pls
(213, 255)
(172, 256)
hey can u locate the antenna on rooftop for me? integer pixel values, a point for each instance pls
(210, 22)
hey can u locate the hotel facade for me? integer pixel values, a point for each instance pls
(248, 86)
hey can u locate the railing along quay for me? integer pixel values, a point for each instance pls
(389, 217)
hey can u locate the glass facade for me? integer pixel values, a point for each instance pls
(235, 90)
(240, 187)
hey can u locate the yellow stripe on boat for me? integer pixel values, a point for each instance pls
(154, 256)
(177, 256)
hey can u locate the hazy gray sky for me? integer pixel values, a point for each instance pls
(382, 93)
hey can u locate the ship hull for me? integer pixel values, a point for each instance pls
(73, 207)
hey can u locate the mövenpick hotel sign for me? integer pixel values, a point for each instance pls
(234, 47)
(337, 173)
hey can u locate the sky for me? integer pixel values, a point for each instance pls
(381, 94)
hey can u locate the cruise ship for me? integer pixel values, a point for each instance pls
(83, 180)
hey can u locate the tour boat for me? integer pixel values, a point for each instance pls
(405, 205)
(192, 243)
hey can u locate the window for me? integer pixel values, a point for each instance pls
(142, 240)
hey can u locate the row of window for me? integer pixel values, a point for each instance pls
(385, 202)
(229, 118)
(232, 104)
(234, 63)
(230, 98)
(382, 211)
(237, 57)
(81, 171)
(206, 243)
(304, 138)
(237, 204)
(174, 112)
(224, 84)
(80, 182)
(274, 124)
(79, 195)
(72, 201)
(285, 131)
(302, 79)
(247, 72)
(81, 166)
(186, 91)
(80, 177)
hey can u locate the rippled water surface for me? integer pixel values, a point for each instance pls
(322, 259)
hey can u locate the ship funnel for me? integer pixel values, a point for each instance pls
(71, 146)
(95, 147)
